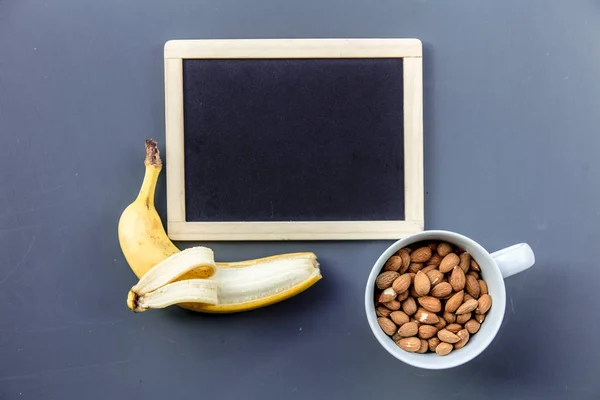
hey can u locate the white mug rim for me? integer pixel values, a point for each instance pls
(425, 360)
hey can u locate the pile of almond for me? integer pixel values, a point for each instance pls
(430, 298)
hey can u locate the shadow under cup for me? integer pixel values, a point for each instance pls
(479, 341)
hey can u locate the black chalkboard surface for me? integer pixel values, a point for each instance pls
(293, 139)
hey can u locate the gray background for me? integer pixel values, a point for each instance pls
(512, 110)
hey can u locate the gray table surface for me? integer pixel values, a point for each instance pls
(512, 110)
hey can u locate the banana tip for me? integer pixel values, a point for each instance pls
(132, 302)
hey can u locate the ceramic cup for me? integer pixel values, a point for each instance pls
(495, 267)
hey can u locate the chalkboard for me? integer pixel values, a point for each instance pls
(293, 139)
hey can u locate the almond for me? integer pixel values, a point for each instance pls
(433, 343)
(422, 284)
(465, 262)
(435, 260)
(475, 266)
(420, 255)
(483, 288)
(463, 318)
(443, 349)
(426, 317)
(402, 296)
(409, 306)
(472, 326)
(412, 277)
(433, 246)
(427, 331)
(441, 290)
(467, 298)
(454, 328)
(387, 325)
(457, 279)
(429, 268)
(415, 267)
(484, 304)
(393, 264)
(444, 249)
(411, 344)
(446, 336)
(389, 295)
(464, 338)
(405, 256)
(480, 318)
(472, 286)
(448, 263)
(467, 307)
(449, 317)
(401, 283)
(424, 347)
(382, 311)
(441, 324)
(435, 277)
(399, 317)
(402, 250)
(396, 337)
(408, 329)
(430, 303)
(385, 279)
(474, 274)
(392, 305)
(454, 302)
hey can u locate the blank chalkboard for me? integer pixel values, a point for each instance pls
(293, 139)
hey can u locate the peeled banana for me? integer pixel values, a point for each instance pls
(191, 278)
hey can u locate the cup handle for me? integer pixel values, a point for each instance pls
(514, 259)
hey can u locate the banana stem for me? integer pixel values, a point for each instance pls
(153, 165)
(152, 154)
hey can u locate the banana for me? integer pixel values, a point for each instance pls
(191, 278)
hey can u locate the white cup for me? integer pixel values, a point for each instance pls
(494, 268)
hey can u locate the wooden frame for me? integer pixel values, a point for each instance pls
(408, 49)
